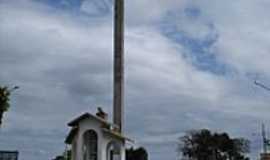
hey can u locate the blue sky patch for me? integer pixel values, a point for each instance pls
(63, 4)
(199, 48)
(95, 8)
(192, 12)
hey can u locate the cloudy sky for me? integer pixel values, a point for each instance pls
(190, 64)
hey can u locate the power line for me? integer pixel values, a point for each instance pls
(261, 85)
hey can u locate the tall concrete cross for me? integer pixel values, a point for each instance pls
(118, 85)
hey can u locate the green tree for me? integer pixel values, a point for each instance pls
(4, 100)
(136, 154)
(204, 145)
(59, 158)
(68, 154)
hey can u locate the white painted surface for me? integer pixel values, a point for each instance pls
(103, 140)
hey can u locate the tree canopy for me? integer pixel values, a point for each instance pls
(4, 100)
(136, 154)
(205, 145)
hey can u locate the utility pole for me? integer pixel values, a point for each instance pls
(118, 85)
(261, 85)
(265, 143)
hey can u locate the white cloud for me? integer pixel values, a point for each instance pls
(95, 7)
(141, 11)
(64, 65)
(242, 29)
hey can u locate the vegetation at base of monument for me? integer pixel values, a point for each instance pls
(136, 154)
(66, 155)
(131, 154)
(205, 145)
(59, 158)
(4, 101)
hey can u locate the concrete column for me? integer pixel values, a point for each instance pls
(118, 88)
